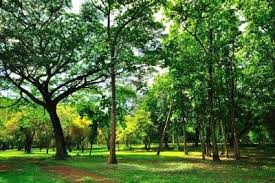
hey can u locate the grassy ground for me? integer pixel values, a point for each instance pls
(257, 165)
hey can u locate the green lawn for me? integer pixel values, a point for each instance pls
(257, 165)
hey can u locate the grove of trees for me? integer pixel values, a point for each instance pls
(150, 72)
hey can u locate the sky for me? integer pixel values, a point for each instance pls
(77, 5)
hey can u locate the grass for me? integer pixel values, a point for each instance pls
(257, 165)
(22, 171)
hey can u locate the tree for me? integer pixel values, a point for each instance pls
(130, 27)
(47, 55)
(137, 127)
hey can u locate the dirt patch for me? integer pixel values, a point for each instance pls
(4, 168)
(76, 175)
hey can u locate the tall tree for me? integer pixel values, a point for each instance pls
(130, 33)
(47, 55)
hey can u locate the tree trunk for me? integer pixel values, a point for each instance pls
(197, 135)
(207, 145)
(108, 139)
(225, 140)
(149, 143)
(61, 152)
(91, 148)
(164, 130)
(272, 35)
(112, 156)
(232, 109)
(178, 142)
(203, 149)
(166, 140)
(29, 140)
(211, 101)
(173, 139)
(185, 137)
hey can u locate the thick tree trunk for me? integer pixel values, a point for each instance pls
(164, 130)
(112, 156)
(61, 152)
(29, 140)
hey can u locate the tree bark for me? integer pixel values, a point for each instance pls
(112, 156)
(61, 152)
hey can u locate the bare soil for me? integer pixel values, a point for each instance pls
(76, 175)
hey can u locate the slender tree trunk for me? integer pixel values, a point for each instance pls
(164, 129)
(211, 101)
(232, 120)
(91, 148)
(197, 135)
(201, 134)
(212, 119)
(225, 140)
(61, 152)
(112, 157)
(207, 144)
(272, 35)
(185, 137)
(178, 142)
(166, 139)
(149, 143)
(232, 108)
(203, 149)
(108, 139)
(82, 148)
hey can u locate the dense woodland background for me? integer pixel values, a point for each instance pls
(192, 73)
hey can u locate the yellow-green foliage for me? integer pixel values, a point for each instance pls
(137, 126)
(74, 126)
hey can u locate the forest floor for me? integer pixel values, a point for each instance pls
(257, 165)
